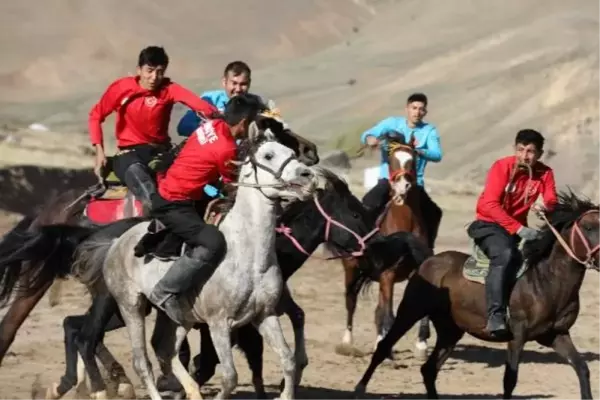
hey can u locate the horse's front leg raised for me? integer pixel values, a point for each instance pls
(270, 329)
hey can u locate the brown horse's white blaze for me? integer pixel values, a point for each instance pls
(402, 179)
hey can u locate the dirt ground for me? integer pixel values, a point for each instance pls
(474, 370)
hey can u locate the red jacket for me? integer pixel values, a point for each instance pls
(202, 160)
(513, 215)
(142, 115)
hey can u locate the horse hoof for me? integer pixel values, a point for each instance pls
(101, 395)
(194, 395)
(125, 391)
(359, 391)
(348, 351)
(421, 351)
(52, 392)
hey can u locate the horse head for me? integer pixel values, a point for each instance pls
(272, 167)
(402, 162)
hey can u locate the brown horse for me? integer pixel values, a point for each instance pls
(401, 214)
(544, 300)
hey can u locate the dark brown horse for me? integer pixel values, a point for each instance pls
(544, 301)
(401, 214)
(69, 208)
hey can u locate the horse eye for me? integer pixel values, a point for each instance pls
(269, 156)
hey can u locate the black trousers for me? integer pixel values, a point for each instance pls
(138, 154)
(376, 199)
(505, 258)
(184, 218)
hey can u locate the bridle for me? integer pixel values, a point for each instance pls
(576, 232)
(362, 240)
(400, 172)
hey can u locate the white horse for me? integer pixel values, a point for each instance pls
(245, 287)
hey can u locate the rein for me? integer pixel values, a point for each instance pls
(588, 262)
(287, 232)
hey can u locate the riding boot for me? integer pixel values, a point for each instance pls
(496, 304)
(182, 276)
(141, 184)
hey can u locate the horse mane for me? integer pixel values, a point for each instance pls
(568, 208)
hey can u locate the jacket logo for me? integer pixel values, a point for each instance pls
(206, 134)
(150, 101)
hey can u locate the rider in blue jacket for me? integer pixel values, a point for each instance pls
(236, 80)
(428, 149)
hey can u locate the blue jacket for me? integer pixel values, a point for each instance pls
(190, 121)
(426, 135)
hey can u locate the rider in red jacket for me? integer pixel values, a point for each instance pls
(204, 159)
(501, 220)
(143, 105)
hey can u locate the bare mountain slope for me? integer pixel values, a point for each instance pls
(335, 68)
(60, 48)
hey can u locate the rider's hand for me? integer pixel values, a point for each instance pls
(100, 162)
(372, 141)
(538, 208)
(528, 233)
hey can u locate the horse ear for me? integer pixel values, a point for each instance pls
(254, 132)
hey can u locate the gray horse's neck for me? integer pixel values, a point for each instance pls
(251, 227)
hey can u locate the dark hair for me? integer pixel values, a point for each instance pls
(240, 107)
(237, 68)
(420, 97)
(529, 136)
(153, 56)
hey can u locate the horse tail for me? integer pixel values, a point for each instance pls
(385, 253)
(31, 259)
(90, 254)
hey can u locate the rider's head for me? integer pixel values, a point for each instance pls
(239, 112)
(529, 146)
(152, 64)
(236, 78)
(416, 108)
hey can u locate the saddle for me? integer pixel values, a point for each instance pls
(112, 202)
(161, 243)
(477, 266)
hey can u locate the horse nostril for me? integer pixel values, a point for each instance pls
(308, 174)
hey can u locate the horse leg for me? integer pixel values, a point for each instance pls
(296, 315)
(221, 337)
(424, 334)
(116, 372)
(513, 356)
(410, 310)
(448, 334)
(251, 344)
(167, 383)
(563, 345)
(71, 326)
(384, 316)
(16, 315)
(270, 329)
(349, 276)
(132, 313)
(103, 310)
(206, 362)
(166, 348)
